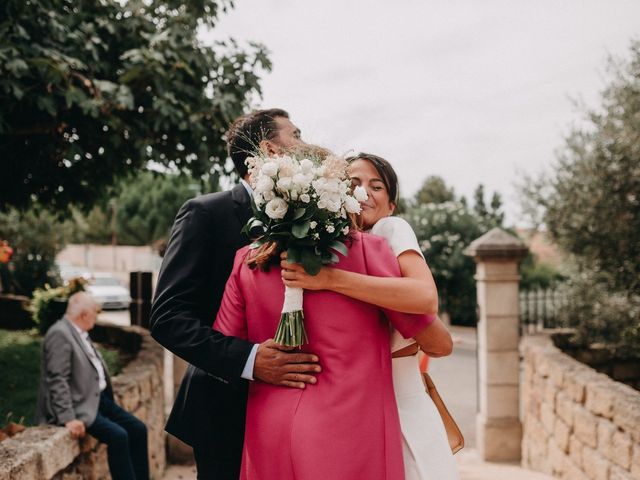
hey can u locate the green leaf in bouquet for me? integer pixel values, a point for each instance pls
(310, 261)
(300, 230)
(260, 241)
(339, 247)
(254, 227)
(277, 236)
(293, 255)
(305, 242)
(310, 212)
(330, 258)
(299, 212)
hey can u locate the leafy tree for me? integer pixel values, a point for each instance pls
(590, 203)
(535, 275)
(147, 206)
(492, 216)
(434, 190)
(591, 199)
(444, 231)
(93, 90)
(36, 236)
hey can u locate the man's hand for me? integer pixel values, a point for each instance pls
(76, 427)
(278, 365)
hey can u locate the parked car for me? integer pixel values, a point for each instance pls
(109, 292)
(68, 272)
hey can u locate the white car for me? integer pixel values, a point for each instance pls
(109, 292)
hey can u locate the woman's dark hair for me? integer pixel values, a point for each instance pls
(246, 133)
(386, 172)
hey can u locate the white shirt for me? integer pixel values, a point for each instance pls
(93, 356)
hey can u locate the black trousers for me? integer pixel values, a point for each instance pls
(126, 439)
(211, 468)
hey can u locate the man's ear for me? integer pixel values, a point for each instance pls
(268, 147)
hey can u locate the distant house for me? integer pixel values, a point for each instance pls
(539, 244)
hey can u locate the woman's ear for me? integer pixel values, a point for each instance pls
(392, 206)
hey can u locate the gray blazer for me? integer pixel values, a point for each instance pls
(69, 386)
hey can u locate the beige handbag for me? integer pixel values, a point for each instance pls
(454, 435)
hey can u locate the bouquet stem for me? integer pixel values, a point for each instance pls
(291, 332)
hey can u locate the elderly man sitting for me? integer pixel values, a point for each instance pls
(75, 391)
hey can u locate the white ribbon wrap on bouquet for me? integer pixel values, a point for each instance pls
(292, 299)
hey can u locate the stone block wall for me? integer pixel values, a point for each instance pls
(49, 452)
(577, 423)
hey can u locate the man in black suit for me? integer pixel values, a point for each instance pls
(209, 409)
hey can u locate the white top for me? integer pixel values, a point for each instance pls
(398, 234)
(93, 356)
(401, 238)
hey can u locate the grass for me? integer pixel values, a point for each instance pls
(20, 352)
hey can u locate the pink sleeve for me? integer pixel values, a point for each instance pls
(381, 262)
(231, 319)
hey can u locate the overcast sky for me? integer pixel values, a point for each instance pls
(474, 91)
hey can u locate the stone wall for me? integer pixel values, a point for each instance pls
(578, 423)
(49, 452)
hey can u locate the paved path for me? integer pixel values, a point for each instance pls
(455, 377)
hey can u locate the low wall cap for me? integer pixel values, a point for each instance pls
(497, 243)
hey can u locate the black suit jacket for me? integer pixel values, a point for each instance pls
(209, 408)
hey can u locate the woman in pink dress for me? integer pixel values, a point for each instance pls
(345, 427)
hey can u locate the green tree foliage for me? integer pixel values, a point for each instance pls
(536, 275)
(92, 90)
(140, 211)
(591, 199)
(444, 231)
(590, 203)
(445, 226)
(434, 190)
(36, 236)
(147, 206)
(491, 216)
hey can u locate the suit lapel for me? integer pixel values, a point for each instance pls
(82, 346)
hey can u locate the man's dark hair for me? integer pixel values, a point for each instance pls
(246, 133)
(386, 172)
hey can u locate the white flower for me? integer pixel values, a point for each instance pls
(352, 205)
(330, 228)
(270, 169)
(345, 230)
(313, 224)
(269, 195)
(258, 200)
(306, 165)
(276, 208)
(305, 198)
(301, 180)
(316, 236)
(360, 193)
(284, 183)
(264, 184)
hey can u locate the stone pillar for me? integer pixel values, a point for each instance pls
(498, 427)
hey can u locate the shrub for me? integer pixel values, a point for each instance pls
(49, 304)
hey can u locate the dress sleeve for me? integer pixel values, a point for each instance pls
(231, 319)
(381, 262)
(398, 234)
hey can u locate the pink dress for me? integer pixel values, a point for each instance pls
(345, 427)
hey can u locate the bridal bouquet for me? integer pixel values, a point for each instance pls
(301, 205)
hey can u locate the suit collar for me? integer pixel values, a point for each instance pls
(240, 195)
(83, 347)
(242, 207)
